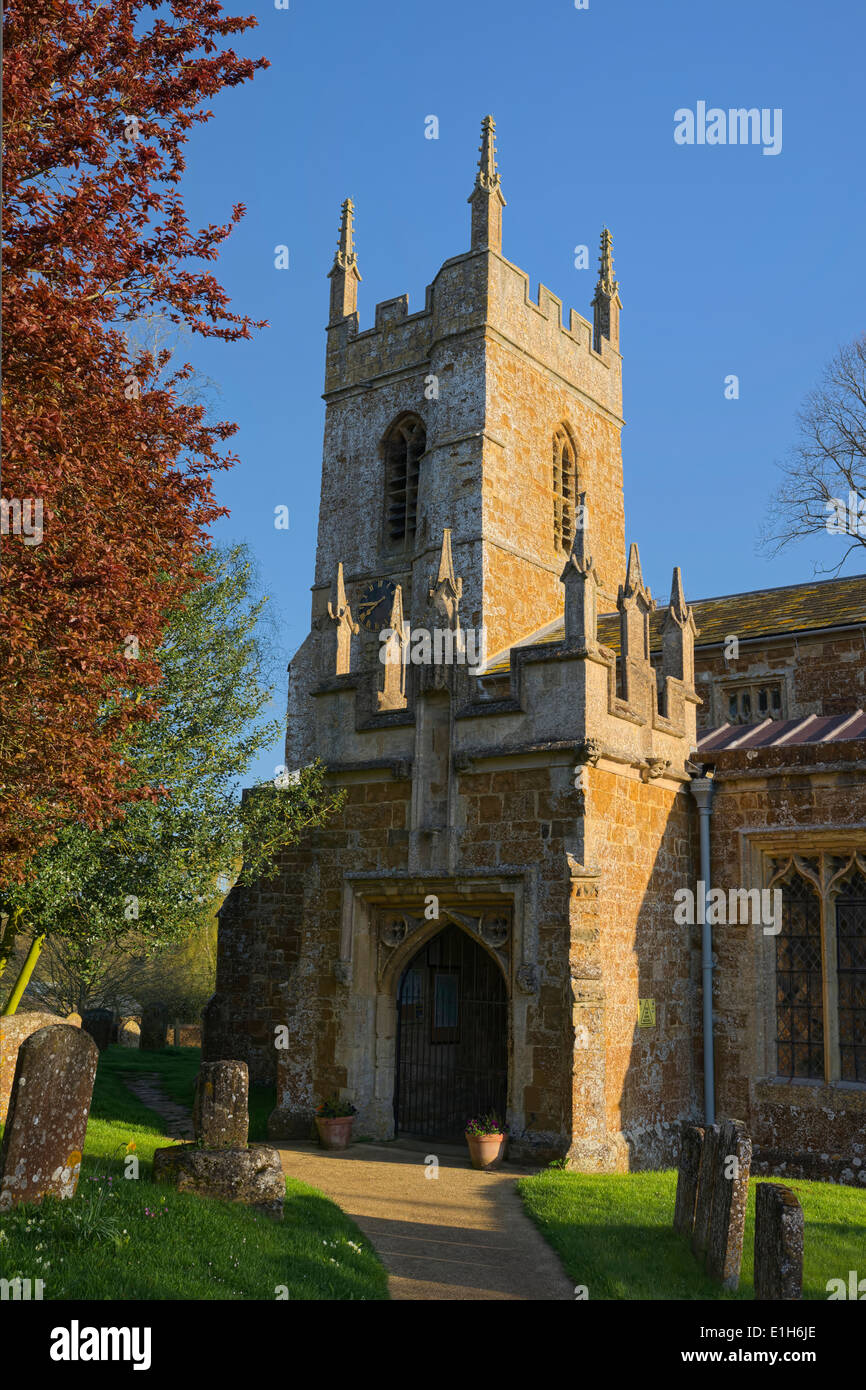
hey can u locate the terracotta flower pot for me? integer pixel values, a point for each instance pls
(486, 1150)
(334, 1132)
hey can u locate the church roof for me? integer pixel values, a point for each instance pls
(824, 603)
(782, 733)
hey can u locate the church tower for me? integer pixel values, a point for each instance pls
(482, 415)
(515, 820)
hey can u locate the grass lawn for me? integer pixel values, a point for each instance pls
(178, 1068)
(613, 1233)
(120, 1238)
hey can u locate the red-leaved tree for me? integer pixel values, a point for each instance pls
(107, 465)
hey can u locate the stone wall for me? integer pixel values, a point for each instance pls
(522, 817)
(641, 835)
(768, 805)
(278, 942)
(822, 674)
(526, 404)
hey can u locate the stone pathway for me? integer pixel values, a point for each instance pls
(147, 1086)
(463, 1235)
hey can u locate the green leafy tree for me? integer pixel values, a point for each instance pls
(72, 975)
(139, 884)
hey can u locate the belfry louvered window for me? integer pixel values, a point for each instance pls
(404, 445)
(564, 490)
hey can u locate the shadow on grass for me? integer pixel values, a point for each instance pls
(150, 1242)
(614, 1234)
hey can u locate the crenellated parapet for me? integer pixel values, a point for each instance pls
(573, 688)
(473, 291)
(576, 688)
(539, 329)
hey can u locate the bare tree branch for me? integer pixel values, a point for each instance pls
(823, 488)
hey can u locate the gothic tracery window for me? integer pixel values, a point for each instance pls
(851, 973)
(403, 447)
(564, 490)
(819, 978)
(799, 984)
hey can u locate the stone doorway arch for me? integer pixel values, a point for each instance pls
(451, 1054)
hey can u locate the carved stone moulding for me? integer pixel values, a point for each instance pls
(585, 878)
(393, 930)
(527, 979)
(589, 751)
(495, 928)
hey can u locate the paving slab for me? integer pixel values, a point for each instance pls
(147, 1085)
(462, 1235)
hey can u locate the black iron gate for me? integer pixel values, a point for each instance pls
(452, 1037)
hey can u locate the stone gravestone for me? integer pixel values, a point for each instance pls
(221, 1163)
(778, 1243)
(704, 1202)
(730, 1194)
(13, 1031)
(98, 1023)
(691, 1147)
(220, 1114)
(154, 1022)
(47, 1119)
(129, 1033)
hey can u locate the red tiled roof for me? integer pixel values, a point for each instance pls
(776, 733)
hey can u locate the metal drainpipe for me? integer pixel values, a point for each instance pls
(702, 791)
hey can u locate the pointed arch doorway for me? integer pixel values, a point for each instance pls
(452, 1037)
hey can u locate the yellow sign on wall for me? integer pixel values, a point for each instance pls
(646, 1013)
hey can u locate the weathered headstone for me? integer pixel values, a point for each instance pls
(691, 1147)
(13, 1030)
(220, 1115)
(47, 1119)
(154, 1022)
(253, 1176)
(730, 1194)
(704, 1202)
(220, 1163)
(129, 1033)
(98, 1023)
(778, 1243)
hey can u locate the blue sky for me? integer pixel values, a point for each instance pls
(729, 260)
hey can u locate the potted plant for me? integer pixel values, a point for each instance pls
(334, 1122)
(485, 1136)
